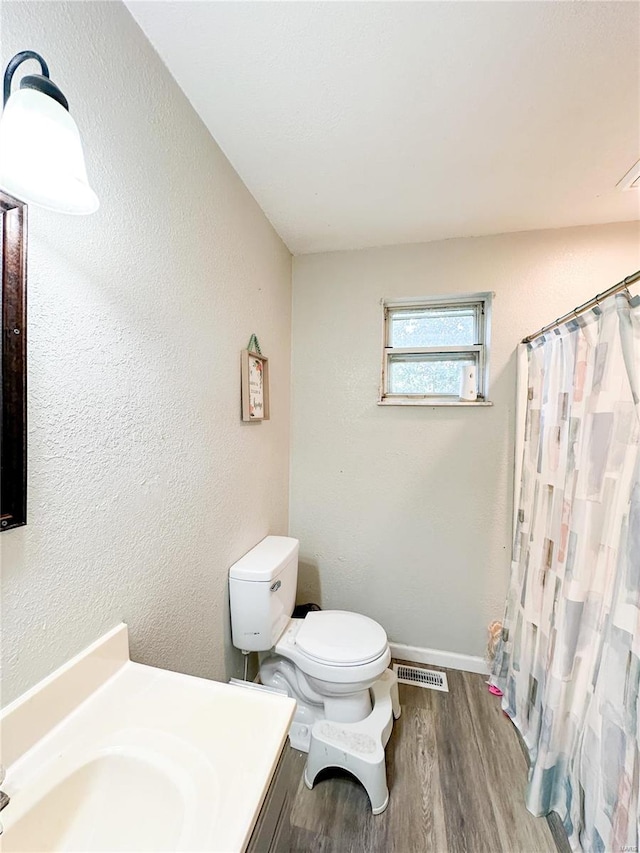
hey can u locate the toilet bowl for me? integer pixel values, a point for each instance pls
(337, 657)
(327, 661)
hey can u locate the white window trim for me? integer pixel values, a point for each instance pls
(484, 323)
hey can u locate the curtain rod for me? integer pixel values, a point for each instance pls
(621, 285)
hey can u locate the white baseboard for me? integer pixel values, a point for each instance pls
(435, 657)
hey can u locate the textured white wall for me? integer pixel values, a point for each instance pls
(144, 485)
(404, 513)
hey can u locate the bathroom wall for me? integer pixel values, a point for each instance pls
(144, 484)
(404, 512)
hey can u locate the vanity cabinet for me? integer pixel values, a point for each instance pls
(271, 833)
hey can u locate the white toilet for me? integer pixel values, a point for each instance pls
(334, 663)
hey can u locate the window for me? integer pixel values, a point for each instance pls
(427, 345)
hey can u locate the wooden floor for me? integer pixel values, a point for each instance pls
(456, 774)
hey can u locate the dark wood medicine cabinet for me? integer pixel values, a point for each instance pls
(13, 399)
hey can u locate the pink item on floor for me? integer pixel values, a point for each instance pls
(495, 690)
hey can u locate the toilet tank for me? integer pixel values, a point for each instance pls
(262, 593)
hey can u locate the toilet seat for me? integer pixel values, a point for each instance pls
(331, 671)
(341, 638)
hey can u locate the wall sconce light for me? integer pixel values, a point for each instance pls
(41, 159)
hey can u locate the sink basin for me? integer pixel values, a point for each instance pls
(138, 790)
(110, 755)
(99, 807)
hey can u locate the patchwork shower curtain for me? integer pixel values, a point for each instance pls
(569, 659)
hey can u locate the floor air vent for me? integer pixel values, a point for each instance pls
(421, 677)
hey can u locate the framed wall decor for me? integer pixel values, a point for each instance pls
(255, 386)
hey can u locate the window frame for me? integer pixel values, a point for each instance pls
(482, 303)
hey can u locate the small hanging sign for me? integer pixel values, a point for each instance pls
(255, 383)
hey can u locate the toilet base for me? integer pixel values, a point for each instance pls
(311, 707)
(358, 747)
(300, 736)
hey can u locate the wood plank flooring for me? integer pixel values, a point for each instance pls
(456, 774)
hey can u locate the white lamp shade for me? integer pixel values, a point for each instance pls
(41, 159)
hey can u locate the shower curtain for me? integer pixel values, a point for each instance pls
(569, 659)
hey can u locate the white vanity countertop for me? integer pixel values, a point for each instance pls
(193, 758)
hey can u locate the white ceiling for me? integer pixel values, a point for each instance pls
(371, 123)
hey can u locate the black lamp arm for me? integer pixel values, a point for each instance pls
(41, 82)
(12, 67)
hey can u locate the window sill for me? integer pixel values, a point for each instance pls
(480, 404)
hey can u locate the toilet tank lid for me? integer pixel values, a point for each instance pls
(266, 560)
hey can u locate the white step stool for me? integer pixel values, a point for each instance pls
(359, 747)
